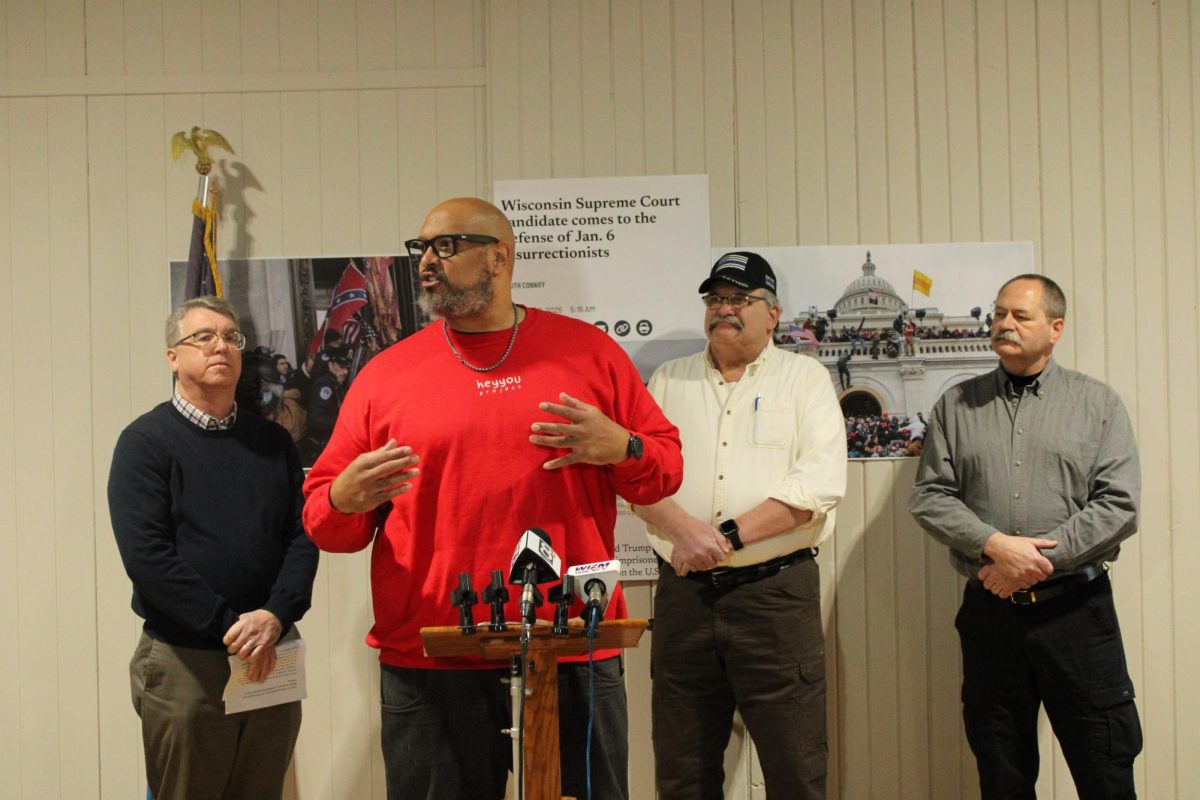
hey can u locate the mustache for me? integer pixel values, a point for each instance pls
(729, 320)
(435, 271)
(1006, 336)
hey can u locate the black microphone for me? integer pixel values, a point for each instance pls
(598, 582)
(562, 596)
(497, 596)
(465, 598)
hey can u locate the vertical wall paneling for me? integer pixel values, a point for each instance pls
(1086, 189)
(299, 37)
(995, 195)
(418, 172)
(912, 643)
(253, 178)
(962, 118)
(145, 38)
(901, 160)
(260, 41)
(628, 88)
(871, 122)
(687, 95)
(1182, 336)
(70, 342)
(5, 70)
(599, 99)
(336, 32)
(1149, 301)
(27, 39)
(749, 91)
(504, 93)
(415, 33)
(375, 45)
(657, 82)
(1024, 161)
(719, 122)
(849, 648)
(639, 597)
(458, 150)
(841, 127)
(379, 172)
(340, 195)
(64, 37)
(105, 38)
(458, 34)
(10, 612)
(180, 112)
(37, 576)
(534, 111)
(182, 47)
(112, 383)
(567, 97)
(932, 134)
(221, 35)
(883, 623)
(780, 115)
(812, 183)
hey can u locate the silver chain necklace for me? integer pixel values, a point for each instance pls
(511, 341)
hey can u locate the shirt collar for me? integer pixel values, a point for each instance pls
(203, 419)
(1046, 379)
(752, 367)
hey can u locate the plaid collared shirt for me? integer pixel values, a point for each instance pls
(200, 418)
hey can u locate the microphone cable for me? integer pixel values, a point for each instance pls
(587, 752)
(521, 718)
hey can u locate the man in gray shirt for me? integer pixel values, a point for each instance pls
(1030, 475)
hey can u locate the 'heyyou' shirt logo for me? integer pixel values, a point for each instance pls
(498, 385)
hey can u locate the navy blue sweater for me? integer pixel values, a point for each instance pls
(208, 524)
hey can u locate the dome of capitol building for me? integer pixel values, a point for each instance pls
(869, 295)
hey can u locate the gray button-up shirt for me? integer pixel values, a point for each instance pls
(1056, 461)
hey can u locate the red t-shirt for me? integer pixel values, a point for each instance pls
(482, 482)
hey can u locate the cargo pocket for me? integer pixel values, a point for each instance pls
(1120, 735)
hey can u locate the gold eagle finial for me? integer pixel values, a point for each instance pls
(198, 142)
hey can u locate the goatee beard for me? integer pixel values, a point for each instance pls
(458, 301)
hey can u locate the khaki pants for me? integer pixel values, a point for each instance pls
(194, 751)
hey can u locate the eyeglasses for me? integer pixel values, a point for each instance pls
(445, 245)
(733, 300)
(206, 341)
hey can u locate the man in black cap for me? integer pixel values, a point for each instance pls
(738, 602)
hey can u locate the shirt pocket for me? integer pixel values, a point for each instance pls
(773, 425)
(1068, 466)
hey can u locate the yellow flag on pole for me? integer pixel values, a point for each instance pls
(922, 282)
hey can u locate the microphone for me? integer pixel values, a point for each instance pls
(534, 561)
(465, 598)
(496, 595)
(595, 584)
(562, 596)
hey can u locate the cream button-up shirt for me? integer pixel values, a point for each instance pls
(778, 432)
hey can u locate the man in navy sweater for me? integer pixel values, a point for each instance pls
(205, 505)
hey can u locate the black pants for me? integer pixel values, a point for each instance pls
(1066, 654)
(758, 647)
(441, 734)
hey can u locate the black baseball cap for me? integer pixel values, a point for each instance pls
(748, 270)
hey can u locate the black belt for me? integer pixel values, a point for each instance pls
(728, 577)
(1054, 588)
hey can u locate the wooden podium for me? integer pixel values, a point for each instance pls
(543, 779)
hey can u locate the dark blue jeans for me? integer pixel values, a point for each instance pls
(1065, 654)
(442, 741)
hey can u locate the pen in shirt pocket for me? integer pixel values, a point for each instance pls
(757, 399)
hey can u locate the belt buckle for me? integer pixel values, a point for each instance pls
(1025, 598)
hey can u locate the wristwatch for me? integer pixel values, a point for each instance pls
(635, 448)
(730, 530)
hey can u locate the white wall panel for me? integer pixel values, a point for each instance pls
(10, 613)
(1073, 125)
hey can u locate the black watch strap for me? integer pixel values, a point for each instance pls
(730, 530)
(635, 448)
